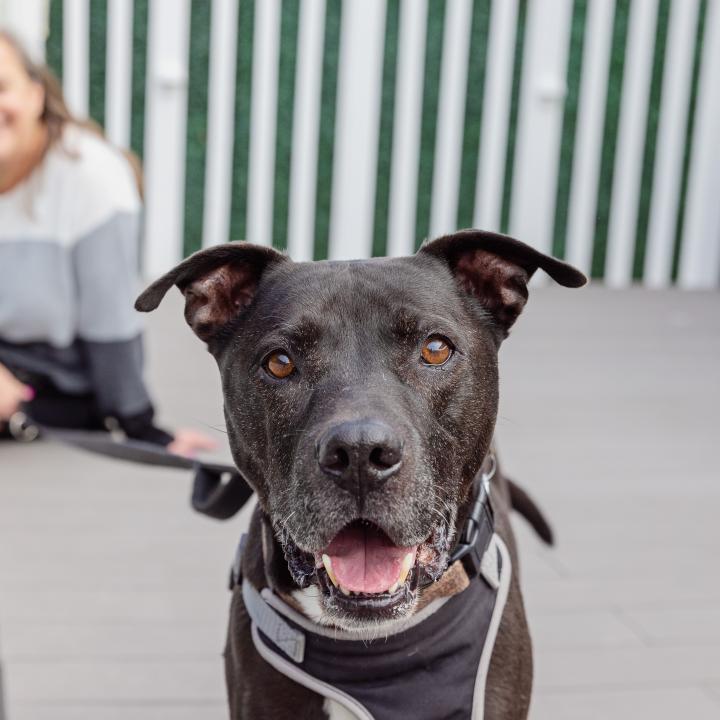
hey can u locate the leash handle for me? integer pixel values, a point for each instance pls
(219, 492)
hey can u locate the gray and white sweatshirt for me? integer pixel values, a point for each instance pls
(69, 237)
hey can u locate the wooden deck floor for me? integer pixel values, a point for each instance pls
(112, 593)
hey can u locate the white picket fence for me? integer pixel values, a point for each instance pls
(542, 95)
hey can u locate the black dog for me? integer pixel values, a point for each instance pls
(360, 400)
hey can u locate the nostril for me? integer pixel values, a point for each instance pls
(383, 458)
(338, 461)
(335, 460)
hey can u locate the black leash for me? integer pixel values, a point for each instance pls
(219, 490)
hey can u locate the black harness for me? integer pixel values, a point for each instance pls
(433, 666)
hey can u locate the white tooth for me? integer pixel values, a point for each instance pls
(407, 563)
(405, 566)
(345, 591)
(328, 569)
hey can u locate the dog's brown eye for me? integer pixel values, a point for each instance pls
(279, 365)
(436, 350)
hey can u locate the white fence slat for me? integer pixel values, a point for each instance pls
(700, 254)
(548, 27)
(165, 133)
(631, 142)
(118, 84)
(221, 121)
(451, 117)
(407, 127)
(670, 144)
(306, 124)
(263, 121)
(540, 118)
(362, 36)
(496, 114)
(27, 20)
(589, 135)
(76, 44)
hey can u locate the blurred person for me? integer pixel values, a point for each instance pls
(70, 212)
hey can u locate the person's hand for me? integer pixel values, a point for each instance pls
(12, 393)
(189, 442)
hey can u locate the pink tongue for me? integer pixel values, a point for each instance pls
(365, 560)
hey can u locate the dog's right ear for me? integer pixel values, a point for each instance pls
(218, 283)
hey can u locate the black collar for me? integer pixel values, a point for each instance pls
(479, 526)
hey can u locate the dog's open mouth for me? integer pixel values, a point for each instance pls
(364, 574)
(363, 567)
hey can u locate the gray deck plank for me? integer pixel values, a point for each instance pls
(119, 711)
(655, 704)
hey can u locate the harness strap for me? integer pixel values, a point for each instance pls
(285, 637)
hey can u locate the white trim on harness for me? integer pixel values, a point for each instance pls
(282, 635)
(285, 667)
(498, 546)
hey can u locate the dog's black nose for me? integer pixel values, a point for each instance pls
(360, 455)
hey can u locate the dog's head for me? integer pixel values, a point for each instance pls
(360, 399)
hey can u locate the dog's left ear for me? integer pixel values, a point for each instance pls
(218, 284)
(496, 269)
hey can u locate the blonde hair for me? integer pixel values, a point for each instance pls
(56, 114)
